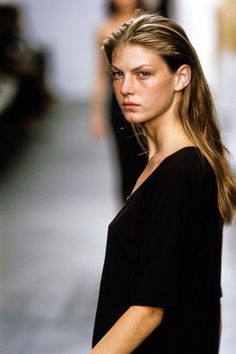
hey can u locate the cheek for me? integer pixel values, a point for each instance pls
(164, 90)
(149, 88)
(116, 87)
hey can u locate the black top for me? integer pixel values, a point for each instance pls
(164, 250)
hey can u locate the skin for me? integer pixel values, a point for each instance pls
(152, 93)
(136, 324)
(147, 83)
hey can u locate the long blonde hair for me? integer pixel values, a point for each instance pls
(196, 110)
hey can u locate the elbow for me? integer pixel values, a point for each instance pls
(153, 315)
(156, 314)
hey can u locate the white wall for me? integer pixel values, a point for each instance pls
(199, 19)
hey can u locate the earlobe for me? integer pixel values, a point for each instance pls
(183, 77)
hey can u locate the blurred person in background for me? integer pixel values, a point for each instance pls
(131, 159)
(161, 284)
(227, 45)
(23, 94)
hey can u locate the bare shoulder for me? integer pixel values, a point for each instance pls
(109, 26)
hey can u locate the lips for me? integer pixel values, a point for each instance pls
(130, 104)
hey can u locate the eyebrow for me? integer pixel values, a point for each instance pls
(136, 68)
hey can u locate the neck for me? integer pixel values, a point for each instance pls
(164, 137)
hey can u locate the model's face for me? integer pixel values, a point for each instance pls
(143, 83)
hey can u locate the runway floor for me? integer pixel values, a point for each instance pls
(57, 198)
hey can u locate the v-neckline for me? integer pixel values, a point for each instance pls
(157, 168)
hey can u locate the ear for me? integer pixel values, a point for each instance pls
(183, 77)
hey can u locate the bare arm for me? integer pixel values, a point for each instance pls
(98, 124)
(132, 328)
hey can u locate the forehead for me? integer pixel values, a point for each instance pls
(132, 55)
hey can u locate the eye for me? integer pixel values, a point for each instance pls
(143, 74)
(116, 75)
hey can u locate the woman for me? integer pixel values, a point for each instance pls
(160, 290)
(131, 159)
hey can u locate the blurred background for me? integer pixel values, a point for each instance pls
(60, 180)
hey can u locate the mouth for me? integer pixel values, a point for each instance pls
(129, 105)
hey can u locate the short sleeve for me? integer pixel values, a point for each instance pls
(156, 280)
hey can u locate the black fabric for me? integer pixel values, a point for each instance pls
(164, 250)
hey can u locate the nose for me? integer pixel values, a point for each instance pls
(127, 86)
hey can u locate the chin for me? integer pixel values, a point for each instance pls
(132, 119)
